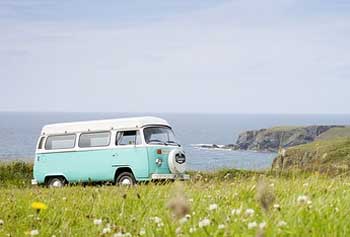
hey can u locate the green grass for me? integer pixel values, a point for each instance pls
(284, 128)
(72, 210)
(335, 133)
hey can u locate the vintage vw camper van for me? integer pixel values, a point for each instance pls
(122, 151)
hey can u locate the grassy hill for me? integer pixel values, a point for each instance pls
(335, 133)
(330, 156)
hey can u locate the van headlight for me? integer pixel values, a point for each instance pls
(159, 162)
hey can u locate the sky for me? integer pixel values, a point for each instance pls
(199, 56)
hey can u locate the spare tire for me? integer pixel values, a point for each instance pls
(177, 161)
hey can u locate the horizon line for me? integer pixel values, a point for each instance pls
(170, 112)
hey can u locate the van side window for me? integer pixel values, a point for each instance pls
(60, 142)
(97, 139)
(128, 138)
(41, 143)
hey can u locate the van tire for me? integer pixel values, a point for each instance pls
(56, 182)
(125, 179)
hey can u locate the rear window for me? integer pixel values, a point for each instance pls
(60, 142)
(97, 139)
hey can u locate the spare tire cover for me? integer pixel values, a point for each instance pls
(177, 161)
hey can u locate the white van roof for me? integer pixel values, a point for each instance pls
(102, 125)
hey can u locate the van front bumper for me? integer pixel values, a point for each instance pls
(170, 176)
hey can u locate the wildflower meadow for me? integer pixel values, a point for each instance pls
(226, 203)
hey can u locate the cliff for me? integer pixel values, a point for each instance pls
(330, 156)
(273, 139)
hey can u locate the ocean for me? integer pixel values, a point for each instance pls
(19, 132)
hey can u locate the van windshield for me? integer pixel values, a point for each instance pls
(160, 135)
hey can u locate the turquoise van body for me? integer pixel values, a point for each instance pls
(94, 151)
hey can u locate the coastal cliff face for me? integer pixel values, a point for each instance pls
(324, 156)
(273, 139)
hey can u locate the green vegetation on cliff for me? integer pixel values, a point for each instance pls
(340, 132)
(272, 139)
(330, 156)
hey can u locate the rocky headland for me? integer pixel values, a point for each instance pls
(321, 148)
(275, 138)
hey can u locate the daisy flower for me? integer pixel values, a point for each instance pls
(204, 222)
(213, 207)
(252, 225)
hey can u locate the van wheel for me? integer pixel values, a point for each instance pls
(126, 179)
(56, 182)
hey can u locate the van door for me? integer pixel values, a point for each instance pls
(131, 153)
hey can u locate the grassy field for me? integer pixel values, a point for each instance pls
(225, 203)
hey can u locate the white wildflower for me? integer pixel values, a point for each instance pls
(302, 199)
(249, 212)
(1, 222)
(272, 185)
(281, 223)
(262, 225)
(160, 224)
(106, 230)
(236, 211)
(204, 222)
(156, 219)
(213, 207)
(34, 232)
(306, 184)
(188, 216)
(190, 200)
(178, 231)
(192, 229)
(221, 226)
(142, 231)
(252, 225)
(276, 206)
(97, 221)
(183, 220)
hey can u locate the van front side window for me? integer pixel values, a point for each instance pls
(128, 138)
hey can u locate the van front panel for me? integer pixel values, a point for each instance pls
(153, 155)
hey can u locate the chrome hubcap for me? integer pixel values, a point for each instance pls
(125, 181)
(57, 184)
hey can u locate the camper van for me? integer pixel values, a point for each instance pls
(121, 151)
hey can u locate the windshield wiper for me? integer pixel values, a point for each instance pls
(173, 142)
